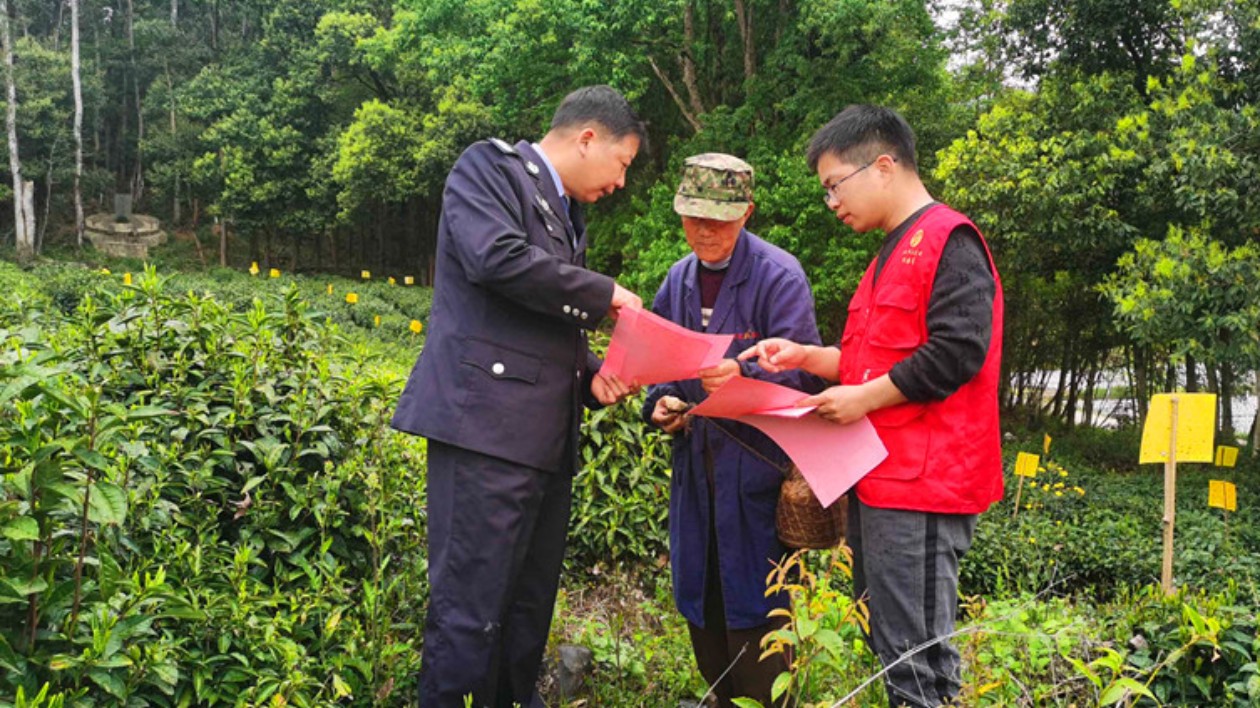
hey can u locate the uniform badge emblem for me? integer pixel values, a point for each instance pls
(543, 204)
(917, 238)
(533, 169)
(503, 146)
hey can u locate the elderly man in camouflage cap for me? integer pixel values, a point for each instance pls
(726, 476)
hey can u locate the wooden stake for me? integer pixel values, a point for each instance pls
(1018, 490)
(1170, 501)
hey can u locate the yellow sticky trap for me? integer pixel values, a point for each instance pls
(1196, 427)
(1226, 456)
(366, 274)
(1045, 444)
(1026, 464)
(409, 280)
(1222, 495)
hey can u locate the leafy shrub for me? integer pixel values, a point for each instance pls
(201, 505)
(1190, 648)
(621, 494)
(1080, 530)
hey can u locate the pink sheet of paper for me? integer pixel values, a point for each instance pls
(741, 396)
(649, 349)
(831, 457)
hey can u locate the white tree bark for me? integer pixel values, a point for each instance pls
(28, 212)
(78, 121)
(23, 224)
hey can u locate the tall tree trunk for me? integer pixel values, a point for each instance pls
(1255, 422)
(382, 213)
(1142, 380)
(1226, 399)
(688, 61)
(174, 13)
(170, 89)
(137, 178)
(24, 237)
(214, 26)
(1091, 381)
(97, 124)
(222, 229)
(1065, 365)
(76, 80)
(1069, 410)
(28, 210)
(687, 115)
(118, 160)
(1192, 375)
(48, 192)
(744, 18)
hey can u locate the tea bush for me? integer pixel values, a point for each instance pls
(621, 494)
(201, 504)
(1080, 530)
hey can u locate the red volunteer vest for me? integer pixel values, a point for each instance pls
(943, 456)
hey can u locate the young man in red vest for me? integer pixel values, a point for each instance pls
(920, 356)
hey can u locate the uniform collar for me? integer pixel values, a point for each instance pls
(555, 176)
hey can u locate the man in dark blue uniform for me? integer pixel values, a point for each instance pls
(499, 389)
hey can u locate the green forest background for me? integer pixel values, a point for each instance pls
(1108, 148)
(201, 503)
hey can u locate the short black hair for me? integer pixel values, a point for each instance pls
(603, 105)
(860, 133)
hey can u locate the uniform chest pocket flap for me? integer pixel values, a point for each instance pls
(500, 362)
(897, 321)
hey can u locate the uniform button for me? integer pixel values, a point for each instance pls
(583, 315)
(578, 373)
(566, 309)
(497, 368)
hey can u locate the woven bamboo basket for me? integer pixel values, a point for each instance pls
(802, 521)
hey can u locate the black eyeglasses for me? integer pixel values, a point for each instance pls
(830, 194)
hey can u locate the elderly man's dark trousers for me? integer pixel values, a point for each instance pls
(496, 547)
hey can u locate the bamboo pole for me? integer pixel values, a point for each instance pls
(1170, 502)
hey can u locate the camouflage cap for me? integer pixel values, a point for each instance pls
(714, 186)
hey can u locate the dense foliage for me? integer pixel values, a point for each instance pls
(202, 503)
(315, 135)
(203, 461)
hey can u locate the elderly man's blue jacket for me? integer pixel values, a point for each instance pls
(764, 294)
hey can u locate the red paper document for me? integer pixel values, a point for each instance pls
(649, 349)
(831, 457)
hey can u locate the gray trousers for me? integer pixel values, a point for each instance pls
(905, 566)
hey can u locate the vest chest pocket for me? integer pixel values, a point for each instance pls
(855, 322)
(896, 320)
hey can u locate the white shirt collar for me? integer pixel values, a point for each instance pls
(555, 177)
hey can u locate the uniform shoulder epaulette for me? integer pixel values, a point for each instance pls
(504, 147)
